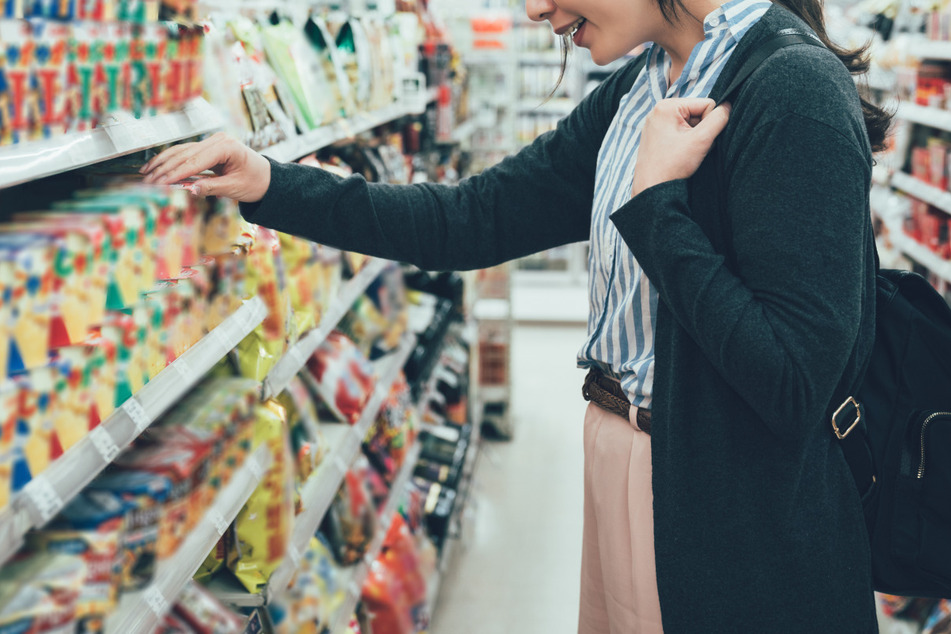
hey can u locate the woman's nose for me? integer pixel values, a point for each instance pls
(539, 10)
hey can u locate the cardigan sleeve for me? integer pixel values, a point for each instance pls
(781, 328)
(532, 201)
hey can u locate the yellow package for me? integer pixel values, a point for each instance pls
(263, 527)
(37, 408)
(300, 257)
(9, 395)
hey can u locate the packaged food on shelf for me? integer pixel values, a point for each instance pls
(40, 592)
(88, 527)
(321, 39)
(307, 441)
(377, 321)
(315, 594)
(342, 377)
(263, 525)
(266, 278)
(354, 53)
(388, 440)
(394, 593)
(298, 63)
(202, 613)
(144, 495)
(351, 522)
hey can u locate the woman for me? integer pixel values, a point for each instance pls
(731, 296)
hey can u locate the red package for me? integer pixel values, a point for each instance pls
(204, 613)
(342, 377)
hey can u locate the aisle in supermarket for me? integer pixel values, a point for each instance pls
(518, 570)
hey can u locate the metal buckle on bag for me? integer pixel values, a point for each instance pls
(858, 416)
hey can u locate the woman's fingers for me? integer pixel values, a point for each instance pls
(713, 123)
(183, 161)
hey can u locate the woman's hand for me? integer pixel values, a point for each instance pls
(676, 137)
(241, 173)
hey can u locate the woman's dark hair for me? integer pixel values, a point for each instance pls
(877, 120)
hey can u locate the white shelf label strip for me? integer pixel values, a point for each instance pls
(137, 413)
(156, 602)
(104, 444)
(44, 497)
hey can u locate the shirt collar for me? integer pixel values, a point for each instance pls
(733, 16)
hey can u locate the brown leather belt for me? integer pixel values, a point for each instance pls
(608, 394)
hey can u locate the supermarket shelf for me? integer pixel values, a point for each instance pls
(492, 309)
(120, 135)
(144, 611)
(464, 131)
(931, 117)
(295, 358)
(52, 489)
(319, 490)
(304, 144)
(359, 572)
(921, 254)
(494, 393)
(922, 191)
(929, 49)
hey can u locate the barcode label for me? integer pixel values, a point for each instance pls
(185, 369)
(157, 603)
(44, 497)
(137, 413)
(221, 525)
(224, 342)
(104, 444)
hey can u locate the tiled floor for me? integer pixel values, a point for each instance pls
(517, 569)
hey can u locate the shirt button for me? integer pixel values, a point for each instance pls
(714, 21)
(693, 75)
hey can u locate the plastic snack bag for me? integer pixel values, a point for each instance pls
(351, 521)
(264, 525)
(342, 377)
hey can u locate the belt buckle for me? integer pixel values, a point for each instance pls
(858, 417)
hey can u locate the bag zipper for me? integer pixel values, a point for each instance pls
(924, 427)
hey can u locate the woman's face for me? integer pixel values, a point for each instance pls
(608, 28)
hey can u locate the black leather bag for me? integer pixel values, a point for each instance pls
(895, 428)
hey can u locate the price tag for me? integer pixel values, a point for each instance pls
(224, 342)
(104, 444)
(44, 497)
(294, 555)
(156, 602)
(185, 369)
(257, 471)
(221, 525)
(137, 413)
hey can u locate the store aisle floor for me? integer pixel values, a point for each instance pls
(517, 570)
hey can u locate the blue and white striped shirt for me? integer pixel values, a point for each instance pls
(623, 303)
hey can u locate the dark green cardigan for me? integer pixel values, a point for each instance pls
(758, 527)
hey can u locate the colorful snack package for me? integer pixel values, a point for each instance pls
(29, 274)
(50, 77)
(40, 593)
(300, 257)
(354, 53)
(17, 102)
(37, 415)
(307, 442)
(88, 527)
(324, 44)
(204, 613)
(76, 412)
(341, 376)
(144, 495)
(264, 524)
(299, 65)
(315, 593)
(351, 521)
(12, 460)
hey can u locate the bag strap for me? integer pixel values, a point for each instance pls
(776, 41)
(848, 421)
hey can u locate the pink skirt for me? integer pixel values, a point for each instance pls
(618, 579)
